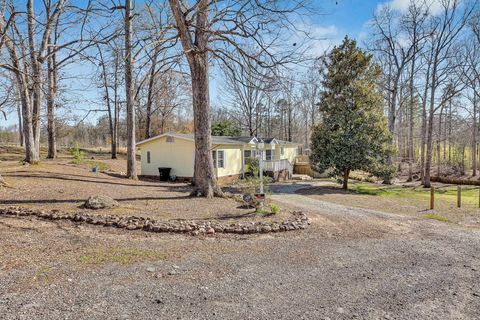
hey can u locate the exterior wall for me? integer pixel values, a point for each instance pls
(290, 152)
(233, 160)
(178, 155)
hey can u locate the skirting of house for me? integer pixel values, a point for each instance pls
(228, 179)
(221, 180)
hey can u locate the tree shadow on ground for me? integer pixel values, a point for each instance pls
(179, 187)
(89, 179)
(54, 201)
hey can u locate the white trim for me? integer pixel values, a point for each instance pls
(161, 136)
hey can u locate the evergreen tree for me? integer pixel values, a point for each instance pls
(225, 128)
(353, 134)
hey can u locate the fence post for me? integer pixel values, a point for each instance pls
(459, 196)
(432, 198)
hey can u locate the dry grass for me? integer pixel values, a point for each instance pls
(63, 185)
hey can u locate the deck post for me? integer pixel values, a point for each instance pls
(459, 196)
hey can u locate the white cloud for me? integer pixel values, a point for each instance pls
(321, 39)
(435, 6)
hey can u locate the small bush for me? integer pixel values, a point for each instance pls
(253, 166)
(76, 153)
(274, 208)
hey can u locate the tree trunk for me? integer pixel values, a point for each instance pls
(346, 174)
(204, 174)
(52, 88)
(439, 143)
(20, 125)
(31, 153)
(116, 111)
(428, 160)
(474, 138)
(411, 123)
(151, 83)
(424, 126)
(450, 133)
(131, 157)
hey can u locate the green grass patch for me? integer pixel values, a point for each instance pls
(119, 255)
(91, 164)
(437, 217)
(470, 195)
(101, 166)
(45, 274)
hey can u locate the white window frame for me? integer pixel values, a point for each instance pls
(272, 154)
(253, 154)
(282, 151)
(217, 159)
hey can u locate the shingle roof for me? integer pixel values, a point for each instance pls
(219, 139)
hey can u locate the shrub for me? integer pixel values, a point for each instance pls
(274, 208)
(76, 153)
(253, 166)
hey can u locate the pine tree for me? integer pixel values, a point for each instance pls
(353, 134)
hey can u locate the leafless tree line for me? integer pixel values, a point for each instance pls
(157, 47)
(429, 57)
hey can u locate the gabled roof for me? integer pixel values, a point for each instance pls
(219, 139)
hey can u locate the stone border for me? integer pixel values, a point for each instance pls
(298, 221)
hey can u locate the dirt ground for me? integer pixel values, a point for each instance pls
(65, 186)
(351, 263)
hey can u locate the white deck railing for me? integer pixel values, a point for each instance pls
(278, 165)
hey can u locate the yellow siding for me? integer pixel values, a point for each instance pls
(178, 155)
(233, 160)
(290, 152)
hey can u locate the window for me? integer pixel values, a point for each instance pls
(148, 156)
(214, 156)
(248, 154)
(170, 139)
(218, 159)
(282, 151)
(269, 155)
(221, 159)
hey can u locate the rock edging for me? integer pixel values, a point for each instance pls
(298, 221)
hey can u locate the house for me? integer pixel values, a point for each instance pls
(230, 154)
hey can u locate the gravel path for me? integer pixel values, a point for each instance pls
(350, 264)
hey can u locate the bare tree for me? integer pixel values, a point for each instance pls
(28, 74)
(414, 24)
(445, 30)
(110, 81)
(129, 92)
(310, 93)
(221, 28)
(246, 86)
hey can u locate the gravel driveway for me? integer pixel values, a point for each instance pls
(350, 264)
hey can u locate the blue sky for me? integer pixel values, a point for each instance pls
(333, 20)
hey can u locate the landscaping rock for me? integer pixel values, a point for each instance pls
(297, 221)
(100, 202)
